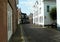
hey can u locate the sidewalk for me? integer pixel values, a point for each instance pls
(17, 36)
(39, 26)
(36, 26)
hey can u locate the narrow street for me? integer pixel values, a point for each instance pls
(29, 20)
(40, 34)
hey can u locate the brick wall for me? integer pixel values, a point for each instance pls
(3, 21)
(3, 18)
(14, 9)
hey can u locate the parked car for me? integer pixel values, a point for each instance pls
(54, 25)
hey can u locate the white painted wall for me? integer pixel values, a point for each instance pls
(41, 12)
(35, 14)
(9, 20)
(58, 14)
(51, 4)
(37, 11)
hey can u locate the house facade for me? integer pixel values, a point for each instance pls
(41, 11)
(31, 18)
(8, 19)
(58, 14)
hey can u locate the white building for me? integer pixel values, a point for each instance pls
(58, 14)
(41, 11)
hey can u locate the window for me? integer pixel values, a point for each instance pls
(45, 17)
(41, 19)
(37, 2)
(40, 2)
(36, 19)
(47, 8)
(9, 17)
(40, 10)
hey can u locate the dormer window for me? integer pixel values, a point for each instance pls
(37, 2)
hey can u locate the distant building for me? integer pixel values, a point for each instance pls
(24, 18)
(8, 19)
(41, 12)
(31, 18)
(19, 15)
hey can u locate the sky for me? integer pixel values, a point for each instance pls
(26, 6)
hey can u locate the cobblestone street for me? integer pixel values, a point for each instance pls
(41, 34)
(35, 34)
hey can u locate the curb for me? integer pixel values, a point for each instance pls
(22, 35)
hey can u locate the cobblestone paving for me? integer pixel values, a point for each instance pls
(41, 34)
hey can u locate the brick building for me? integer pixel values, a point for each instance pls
(8, 19)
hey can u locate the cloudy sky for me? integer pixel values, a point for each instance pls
(26, 5)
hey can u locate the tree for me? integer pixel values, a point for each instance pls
(53, 13)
